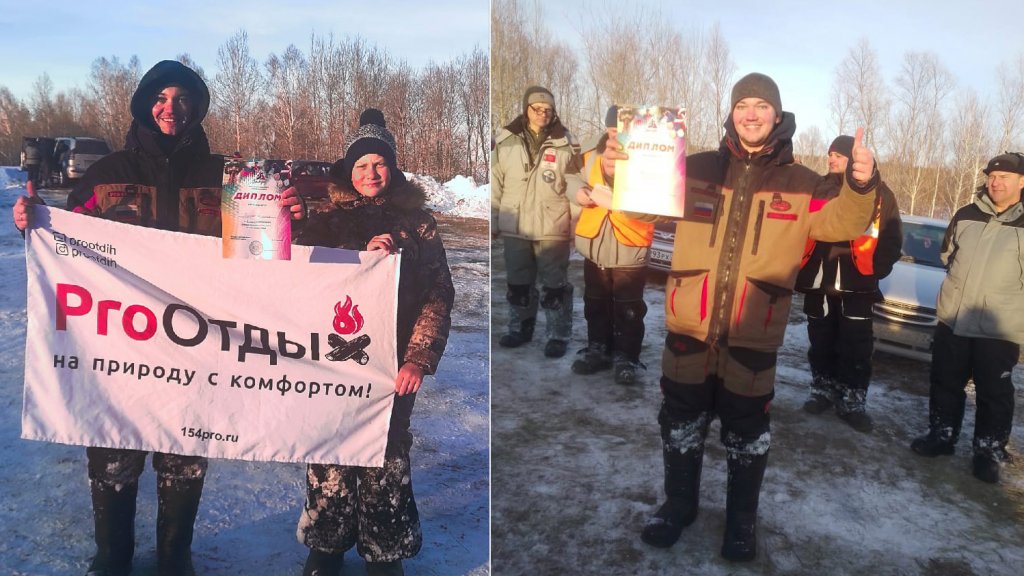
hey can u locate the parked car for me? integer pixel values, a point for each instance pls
(904, 322)
(661, 246)
(310, 179)
(69, 158)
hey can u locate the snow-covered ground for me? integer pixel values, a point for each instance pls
(576, 471)
(246, 523)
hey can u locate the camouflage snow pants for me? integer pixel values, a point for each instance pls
(370, 508)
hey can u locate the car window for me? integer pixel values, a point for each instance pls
(922, 243)
(91, 147)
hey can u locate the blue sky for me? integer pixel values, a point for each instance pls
(800, 43)
(63, 38)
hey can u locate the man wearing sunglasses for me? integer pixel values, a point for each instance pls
(530, 210)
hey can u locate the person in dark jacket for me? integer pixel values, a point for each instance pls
(840, 285)
(981, 321)
(164, 178)
(375, 208)
(737, 253)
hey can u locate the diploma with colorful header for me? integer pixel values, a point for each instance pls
(255, 226)
(653, 179)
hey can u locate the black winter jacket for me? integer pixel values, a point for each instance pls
(830, 267)
(158, 181)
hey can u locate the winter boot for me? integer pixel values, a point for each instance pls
(592, 359)
(522, 315)
(986, 469)
(555, 348)
(626, 371)
(682, 486)
(114, 516)
(178, 504)
(933, 444)
(557, 305)
(323, 564)
(393, 568)
(746, 471)
(822, 392)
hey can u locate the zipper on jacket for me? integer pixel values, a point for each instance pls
(728, 262)
(718, 218)
(757, 227)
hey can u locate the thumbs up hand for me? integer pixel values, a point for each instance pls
(863, 160)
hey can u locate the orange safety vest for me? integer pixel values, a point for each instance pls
(862, 248)
(628, 231)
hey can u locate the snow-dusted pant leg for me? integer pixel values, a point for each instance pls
(855, 346)
(597, 304)
(993, 384)
(329, 522)
(113, 467)
(371, 508)
(822, 335)
(629, 311)
(950, 371)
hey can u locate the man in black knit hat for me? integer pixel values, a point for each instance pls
(840, 283)
(737, 253)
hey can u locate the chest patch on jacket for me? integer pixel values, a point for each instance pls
(548, 176)
(781, 216)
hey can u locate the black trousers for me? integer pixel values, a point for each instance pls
(613, 304)
(990, 362)
(841, 337)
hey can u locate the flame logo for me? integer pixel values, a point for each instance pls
(347, 319)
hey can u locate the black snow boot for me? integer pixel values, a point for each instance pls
(555, 348)
(176, 516)
(592, 359)
(746, 471)
(822, 394)
(986, 469)
(682, 486)
(933, 444)
(323, 564)
(519, 337)
(114, 516)
(393, 568)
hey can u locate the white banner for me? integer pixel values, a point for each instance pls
(151, 340)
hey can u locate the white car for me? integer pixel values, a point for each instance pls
(904, 323)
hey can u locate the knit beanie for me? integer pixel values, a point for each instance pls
(611, 117)
(843, 145)
(538, 95)
(372, 137)
(757, 85)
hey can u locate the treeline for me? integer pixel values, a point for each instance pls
(931, 135)
(294, 105)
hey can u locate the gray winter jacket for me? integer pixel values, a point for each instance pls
(528, 194)
(982, 295)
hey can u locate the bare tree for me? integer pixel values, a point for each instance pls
(110, 90)
(859, 94)
(237, 87)
(969, 146)
(1011, 105)
(917, 130)
(811, 149)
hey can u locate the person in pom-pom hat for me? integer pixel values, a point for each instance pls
(981, 321)
(374, 207)
(164, 178)
(533, 154)
(738, 246)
